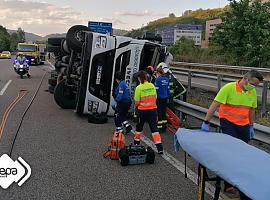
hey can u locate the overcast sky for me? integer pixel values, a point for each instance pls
(56, 16)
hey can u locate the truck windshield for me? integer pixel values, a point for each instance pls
(25, 48)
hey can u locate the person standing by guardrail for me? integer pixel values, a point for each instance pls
(163, 94)
(145, 100)
(236, 102)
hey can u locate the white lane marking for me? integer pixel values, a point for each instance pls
(5, 87)
(210, 189)
(51, 65)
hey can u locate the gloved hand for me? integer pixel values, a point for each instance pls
(251, 132)
(114, 104)
(205, 127)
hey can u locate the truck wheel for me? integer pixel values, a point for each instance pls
(54, 49)
(74, 37)
(63, 96)
(123, 157)
(150, 155)
(55, 41)
(64, 47)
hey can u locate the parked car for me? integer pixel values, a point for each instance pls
(5, 54)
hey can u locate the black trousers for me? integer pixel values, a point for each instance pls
(121, 111)
(161, 109)
(237, 131)
(149, 116)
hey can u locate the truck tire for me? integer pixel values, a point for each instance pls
(123, 157)
(98, 118)
(55, 41)
(64, 96)
(64, 47)
(150, 155)
(74, 39)
(54, 49)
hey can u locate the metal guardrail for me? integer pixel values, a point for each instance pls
(220, 77)
(262, 133)
(242, 69)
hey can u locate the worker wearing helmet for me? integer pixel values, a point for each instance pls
(123, 103)
(21, 59)
(163, 94)
(150, 70)
(169, 75)
(145, 100)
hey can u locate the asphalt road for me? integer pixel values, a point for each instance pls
(65, 152)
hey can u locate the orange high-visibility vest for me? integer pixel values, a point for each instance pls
(146, 95)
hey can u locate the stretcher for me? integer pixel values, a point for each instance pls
(173, 121)
(244, 166)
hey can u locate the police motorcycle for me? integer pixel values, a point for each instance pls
(21, 67)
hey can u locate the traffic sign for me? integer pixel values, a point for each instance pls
(101, 27)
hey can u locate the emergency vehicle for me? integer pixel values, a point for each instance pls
(34, 52)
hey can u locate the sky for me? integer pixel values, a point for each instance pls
(44, 17)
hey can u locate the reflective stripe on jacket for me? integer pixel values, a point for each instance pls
(145, 96)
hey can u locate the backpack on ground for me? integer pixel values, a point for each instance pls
(117, 143)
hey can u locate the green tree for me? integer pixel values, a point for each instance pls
(20, 35)
(244, 34)
(4, 39)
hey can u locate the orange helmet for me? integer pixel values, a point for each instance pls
(150, 68)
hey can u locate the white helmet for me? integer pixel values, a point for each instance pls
(164, 66)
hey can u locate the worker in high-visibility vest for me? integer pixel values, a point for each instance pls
(236, 102)
(145, 100)
(163, 94)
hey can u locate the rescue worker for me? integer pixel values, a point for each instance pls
(236, 102)
(21, 59)
(168, 74)
(150, 70)
(145, 100)
(163, 94)
(123, 103)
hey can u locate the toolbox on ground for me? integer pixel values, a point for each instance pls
(136, 154)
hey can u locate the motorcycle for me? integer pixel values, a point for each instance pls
(21, 68)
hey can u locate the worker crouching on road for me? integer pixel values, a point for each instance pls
(123, 103)
(145, 100)
(236, 102)
(163, 94)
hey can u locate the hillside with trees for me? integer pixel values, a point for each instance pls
(198, 17)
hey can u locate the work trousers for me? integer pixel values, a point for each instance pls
(161, 109)
(234, 130)
(121, 112)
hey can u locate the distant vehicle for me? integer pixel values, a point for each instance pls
(5, 54)
(21, 67)
(35, 53)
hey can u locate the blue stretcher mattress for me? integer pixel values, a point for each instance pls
(244, 166)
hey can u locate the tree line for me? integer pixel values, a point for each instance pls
(8, 42)
(243, 38)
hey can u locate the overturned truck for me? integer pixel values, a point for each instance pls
(85, 64)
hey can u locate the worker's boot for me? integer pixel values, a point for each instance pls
(127, 126)
(159, 148)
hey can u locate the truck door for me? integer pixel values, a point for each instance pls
(100, 76)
